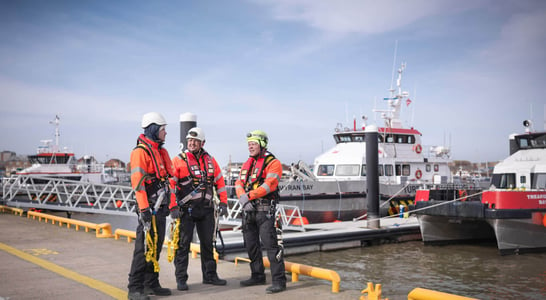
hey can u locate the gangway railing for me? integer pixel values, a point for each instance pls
(28, 191)
(290, 216)
(68, 195)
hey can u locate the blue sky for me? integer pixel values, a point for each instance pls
(293, 68)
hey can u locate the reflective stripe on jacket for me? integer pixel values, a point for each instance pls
(201, 173)
(260, 177)
(149, 163)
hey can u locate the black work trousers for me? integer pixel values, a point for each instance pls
(142, 273)
(204, 223)
(261, 225)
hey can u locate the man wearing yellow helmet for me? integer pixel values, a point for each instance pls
(258, 195)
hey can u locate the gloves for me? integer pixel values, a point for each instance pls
(243, 200)
(175, 212)
(146, 215)
(245, 203)
(222, 209)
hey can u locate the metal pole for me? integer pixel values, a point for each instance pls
(187, 121)
(372, 176)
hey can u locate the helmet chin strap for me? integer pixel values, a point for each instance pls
(198, 152)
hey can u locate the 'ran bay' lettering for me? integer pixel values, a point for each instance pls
(296, 187)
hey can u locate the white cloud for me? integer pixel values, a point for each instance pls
(360, 16)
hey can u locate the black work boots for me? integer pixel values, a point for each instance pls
(253, 281)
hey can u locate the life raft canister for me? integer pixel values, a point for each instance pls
(462, 195)
(418, 148)
(418, 174)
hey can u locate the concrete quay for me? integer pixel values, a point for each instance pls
(45, 261)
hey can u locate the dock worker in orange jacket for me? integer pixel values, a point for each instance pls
(198, 175)
(151, 168)
(258, 196)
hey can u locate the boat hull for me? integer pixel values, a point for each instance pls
(519, 235)
(515, 230)
(445, 230)
(322, 201)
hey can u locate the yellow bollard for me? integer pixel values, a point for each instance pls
(424, 294)
(372, 294)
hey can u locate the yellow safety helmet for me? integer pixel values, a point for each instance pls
(257, 136)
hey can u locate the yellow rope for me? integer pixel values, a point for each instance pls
(172, 244)
(151, 254)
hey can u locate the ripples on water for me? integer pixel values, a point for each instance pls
(468, 270)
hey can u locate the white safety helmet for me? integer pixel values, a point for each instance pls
(153, 118)
(196, 133)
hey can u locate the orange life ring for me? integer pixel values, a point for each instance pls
(418, 148)
(418, 174)
(462, 195)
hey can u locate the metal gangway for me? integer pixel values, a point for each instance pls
(51, 193)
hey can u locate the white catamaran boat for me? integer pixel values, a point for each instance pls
(50, 161)
(512, 211)
(336, 187)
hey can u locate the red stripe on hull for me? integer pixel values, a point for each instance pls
(514, 199)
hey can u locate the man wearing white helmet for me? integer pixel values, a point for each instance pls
(198, 175)
(257, 190)
(151, 168)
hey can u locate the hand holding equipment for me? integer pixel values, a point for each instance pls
(243, 200)
(222, 209)
(146, 215)
(175, 212)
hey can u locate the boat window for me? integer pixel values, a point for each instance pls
(380, 139)
(344, 138)
(428, 168)
(531, 141)
(436, 167)
(363, 171)
(522, 179)
(347, 170)
(381, 171)
(389, 170)
(411, 140)
(325, 170)
(405, 170)
(358, 138)
(398, 170)
(504, 181)
(390, 139)
(402, 139)
(538, 180)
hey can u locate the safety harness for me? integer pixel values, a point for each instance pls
(253, 181)
(153, 185)
(205, 178)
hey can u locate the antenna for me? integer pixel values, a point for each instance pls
(394, 63)
(57, 134)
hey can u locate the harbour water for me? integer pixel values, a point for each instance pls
(476, 271)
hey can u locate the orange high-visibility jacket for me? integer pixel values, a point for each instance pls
(149, 162)
(181, 171)
(259, 185)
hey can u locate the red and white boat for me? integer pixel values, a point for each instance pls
(335, 189)
(512, 211)
(52, 162)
